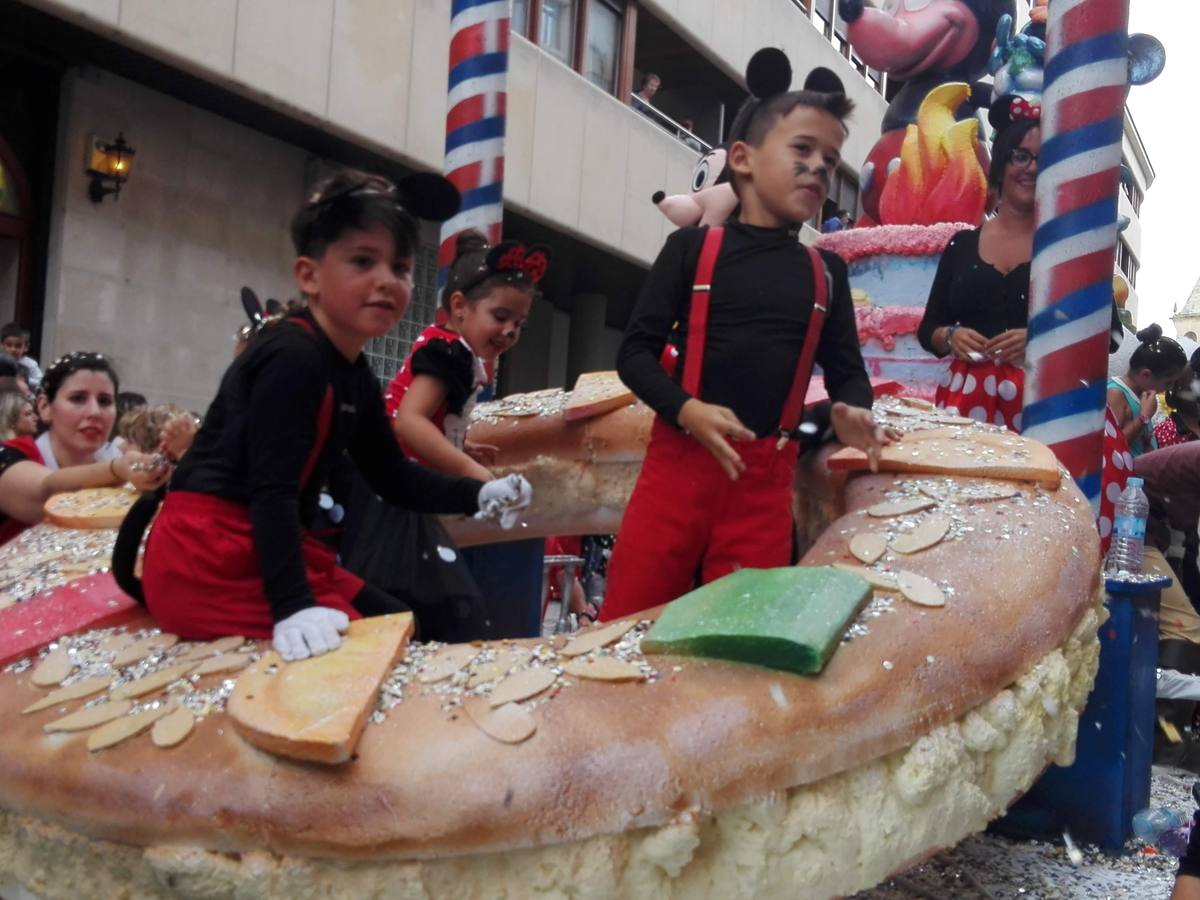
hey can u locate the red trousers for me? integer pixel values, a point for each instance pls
(686, 518)
(201, 575)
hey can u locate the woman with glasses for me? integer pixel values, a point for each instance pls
(979, 304)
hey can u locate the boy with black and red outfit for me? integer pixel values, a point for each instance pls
(230, 553)
(715, 490)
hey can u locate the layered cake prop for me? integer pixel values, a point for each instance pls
(679, 755)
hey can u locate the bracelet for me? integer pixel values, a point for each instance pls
(950, 329)
(112, 469)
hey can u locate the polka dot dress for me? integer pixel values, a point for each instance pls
(985, 391)
(1118, 466)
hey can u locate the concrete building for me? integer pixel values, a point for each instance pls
(235, 108)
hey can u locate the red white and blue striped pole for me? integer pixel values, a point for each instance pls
(475, 111)
(1083, 108)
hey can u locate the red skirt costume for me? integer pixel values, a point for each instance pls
(17, 450)
(201, 574)
(986, 391)
(687, 522)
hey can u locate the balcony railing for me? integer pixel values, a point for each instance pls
(666, 123)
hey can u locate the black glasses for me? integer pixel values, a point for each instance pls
(1021, 158)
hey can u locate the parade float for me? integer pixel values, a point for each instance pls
(791, 733)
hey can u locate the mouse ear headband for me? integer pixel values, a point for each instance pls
(514, 262)
(769, 74)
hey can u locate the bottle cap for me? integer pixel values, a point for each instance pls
(1134, 481)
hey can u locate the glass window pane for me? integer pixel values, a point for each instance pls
(557, 32)
(519, 21)
(603, 43)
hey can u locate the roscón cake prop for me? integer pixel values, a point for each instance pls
(103, 507)
(588, 764)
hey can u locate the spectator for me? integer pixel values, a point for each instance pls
(836, 222)
(127, 402)
(17, 417)
(12, 375)
(15, 339)
(650, 86)
(1183, 424)
(687, 135)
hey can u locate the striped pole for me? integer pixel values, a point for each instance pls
(475, 111)
(1070, 298)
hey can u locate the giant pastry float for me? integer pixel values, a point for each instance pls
(586, 768)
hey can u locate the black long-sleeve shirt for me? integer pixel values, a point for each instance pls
(759, 309)
(261, 428)
(970, 292)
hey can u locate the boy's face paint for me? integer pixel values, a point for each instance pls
(359, 288)
(789, 173)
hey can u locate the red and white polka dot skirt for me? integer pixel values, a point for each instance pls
(985, 391)
(1118, 466)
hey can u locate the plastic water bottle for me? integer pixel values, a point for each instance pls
(1149, 824)
(1129, 530)
(1174, 841)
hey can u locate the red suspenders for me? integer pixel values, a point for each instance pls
(793, 407)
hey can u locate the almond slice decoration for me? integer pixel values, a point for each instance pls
(880, 580)
(148, 684)
(906, 411)
(868, 547)
(115, 643)
(213, 648)
(76, 691)
(937, 494)
(522, 686)
(173, 728)
(928, 533)
(509, 724)
(54, 668)
(605, 668)
(499, 667)
(139, 650)
(90, 716)
(122, 729)
(892, 508)
(226, 662)
(954, 420)
(995, 493)
(919, 589)
(446, 663)
(917, 403)
(594, 639)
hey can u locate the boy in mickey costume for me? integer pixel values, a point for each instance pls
(750, 310)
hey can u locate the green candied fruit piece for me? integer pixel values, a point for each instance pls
(790, 619)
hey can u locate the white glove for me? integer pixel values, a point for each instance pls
(504, 499)
(310, 632)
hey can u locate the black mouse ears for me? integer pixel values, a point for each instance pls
(769, 73)
(824, 81)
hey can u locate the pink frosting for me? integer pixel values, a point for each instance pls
(886, 323)
(891, 240)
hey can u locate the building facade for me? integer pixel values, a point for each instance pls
(236, 107)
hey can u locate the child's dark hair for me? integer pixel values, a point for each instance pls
(351, 200)
(472, 276)
(770, 111)
(13, 330)
(66, 366)
(1007, 140)
(1161, 355)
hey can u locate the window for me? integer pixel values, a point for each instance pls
(557, 32)
(603, 45)
(1127, 263)
(519, 19)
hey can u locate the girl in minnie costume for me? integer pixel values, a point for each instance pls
(485, 304)
(229, 553)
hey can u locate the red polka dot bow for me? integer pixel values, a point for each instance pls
(1020, 108)
(515, 257)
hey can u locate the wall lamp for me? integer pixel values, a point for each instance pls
(108, 166)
